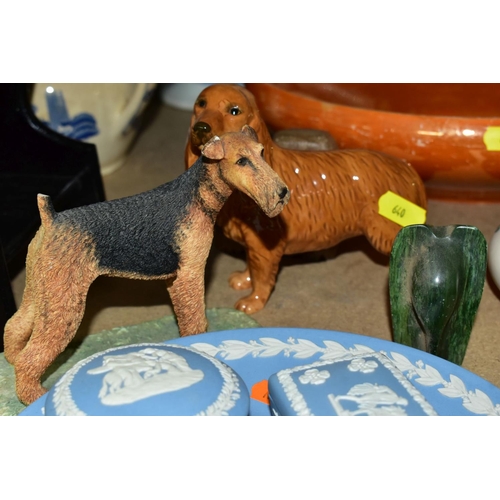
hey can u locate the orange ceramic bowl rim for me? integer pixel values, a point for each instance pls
(450, 153)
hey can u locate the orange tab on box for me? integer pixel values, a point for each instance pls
(260, 392)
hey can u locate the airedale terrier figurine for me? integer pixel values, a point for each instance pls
(165, 233)
(334, 194)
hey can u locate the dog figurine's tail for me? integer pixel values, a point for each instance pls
(46, 209)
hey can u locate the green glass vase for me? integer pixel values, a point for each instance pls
(436, 280)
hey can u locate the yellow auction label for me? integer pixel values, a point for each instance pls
(491, 138)
(400, 210)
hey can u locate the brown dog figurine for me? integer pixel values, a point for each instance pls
(165, 233)
(334, 194)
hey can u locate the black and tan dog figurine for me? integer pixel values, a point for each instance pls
(165, 233)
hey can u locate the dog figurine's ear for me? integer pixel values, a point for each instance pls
(247, 130)
(213, 149)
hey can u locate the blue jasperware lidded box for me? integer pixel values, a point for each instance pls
(367, 384)
(149, 379)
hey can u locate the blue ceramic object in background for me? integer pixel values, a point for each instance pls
(80, 127)
(105, 114)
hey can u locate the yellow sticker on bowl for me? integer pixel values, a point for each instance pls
(400, 210)
(491, 138)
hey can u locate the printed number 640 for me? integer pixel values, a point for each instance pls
(399, 211)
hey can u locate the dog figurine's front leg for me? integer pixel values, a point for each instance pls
(265, 248)
(240, 280)
(187, 292)
(264, 267)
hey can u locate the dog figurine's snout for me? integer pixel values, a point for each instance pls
(202, 128)
(283, 193)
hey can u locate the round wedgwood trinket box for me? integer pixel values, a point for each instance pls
(149, 379)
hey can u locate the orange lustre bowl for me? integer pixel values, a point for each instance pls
(450, 133)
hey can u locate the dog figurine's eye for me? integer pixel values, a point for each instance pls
(201, 103)
(243, 161)
(235, 110)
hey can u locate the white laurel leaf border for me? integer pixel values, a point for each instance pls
(476, 401)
